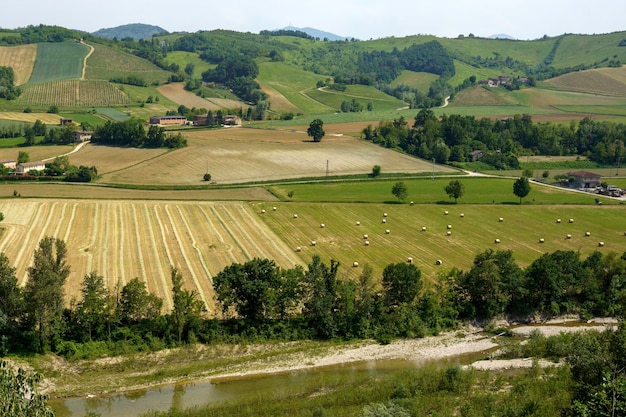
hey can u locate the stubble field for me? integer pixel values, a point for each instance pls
(122, 240)
(21, 59)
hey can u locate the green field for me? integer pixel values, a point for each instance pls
(427, 191)
(182, 58)
(363, 94)
(72, 93)
(113, 114)
(58, 61)
(419, 80)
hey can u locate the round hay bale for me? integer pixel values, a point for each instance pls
(500, 219)
(587, 234)
(322, 225)
(313, 243)
(568, 236)
(411, 203)
(449, 233)
(367, 243)
(410, 260)
(358, 223)
(542, 240)
(496, 241)
(355, 264)
(438, 262)
(384, 220)
(600, 244)
(449, 226)
(274, 208)
(298, 249)
(571, 220)
(558, 220)
(365, 236)
(624, 233)
(445, 212)
(387, 231)
(384, 214)
(262, 211)
(462, 215)
(424, 229)
(295, 216)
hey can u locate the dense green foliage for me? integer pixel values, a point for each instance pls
(453, 138)
(132, 133)
(7, 84)
(19, 394)
(316, 130)
(40, 33)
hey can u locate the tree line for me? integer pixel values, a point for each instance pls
(260, 301)
(133, 133)
(452, 138)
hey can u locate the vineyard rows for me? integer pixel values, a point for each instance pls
(73, 93)
(123, 240)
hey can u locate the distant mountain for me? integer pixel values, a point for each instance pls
(316, 33)
(502, 36)
(134, 30)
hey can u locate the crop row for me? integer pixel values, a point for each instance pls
(73, 93)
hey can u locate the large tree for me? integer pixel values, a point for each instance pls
(402, 283)
(44, 294)
(455, 189)
(187, 309)
(400, 190)
(316, 130)
(521, 188)
(10, 302)
(137, 304)
(93, 308)
(321, 297)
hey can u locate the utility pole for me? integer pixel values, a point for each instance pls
(433, 169)
(327, 170)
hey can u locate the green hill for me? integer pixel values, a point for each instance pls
(58, 61)
(134, 31)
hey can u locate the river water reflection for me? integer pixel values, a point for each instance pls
(184, 395)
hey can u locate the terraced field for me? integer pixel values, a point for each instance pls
(122, 240)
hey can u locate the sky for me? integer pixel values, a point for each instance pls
(363, 19)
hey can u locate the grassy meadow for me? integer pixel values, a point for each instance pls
(58, 61)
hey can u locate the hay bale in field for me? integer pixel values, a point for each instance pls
(295, 216)
(358, 223)
(387, 231)
(355, 264)
(438, 262)
(496, 241)
(411, 203)
(462, 215)
(571, 220)
(542, 240)
(298, 249)
(449, 233)
(587, 234)
(274, 208)
(365, 236)
(424, 229)
(384, 220)
(262, 211)
(449, 226)
(367, 243)
(601, 244)
(313, 243)
(322, 225)
(445, 213)
(558, 220)
(384, 214)
(500, 219)
(568, 236)
(410, 260)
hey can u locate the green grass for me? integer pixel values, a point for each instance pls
(586, 49)
(419, 80)
(617, 110)
(464, 71)
(58, 61)
(112, 114)
(292, 82)
(529, 52)
(92, 119)
(363, 94)
(182, 58)
(427, 191)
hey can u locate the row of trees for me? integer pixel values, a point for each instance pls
(133, 133)
(8, 90)
(452, 138)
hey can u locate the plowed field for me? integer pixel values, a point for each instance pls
(122, 240)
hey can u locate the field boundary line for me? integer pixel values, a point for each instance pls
(167, 253)
(194, 244)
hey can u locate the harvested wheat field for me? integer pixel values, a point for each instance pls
(21, 59)
(122, 240)
(36, 153)
(47, 118)
(266, 155)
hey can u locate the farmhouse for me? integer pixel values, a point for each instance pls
(168, 120)
(79, 136)
(9, 163)
(584, 179)
(26, 167)
(65, 121)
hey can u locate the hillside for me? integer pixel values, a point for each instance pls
(134, 30)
